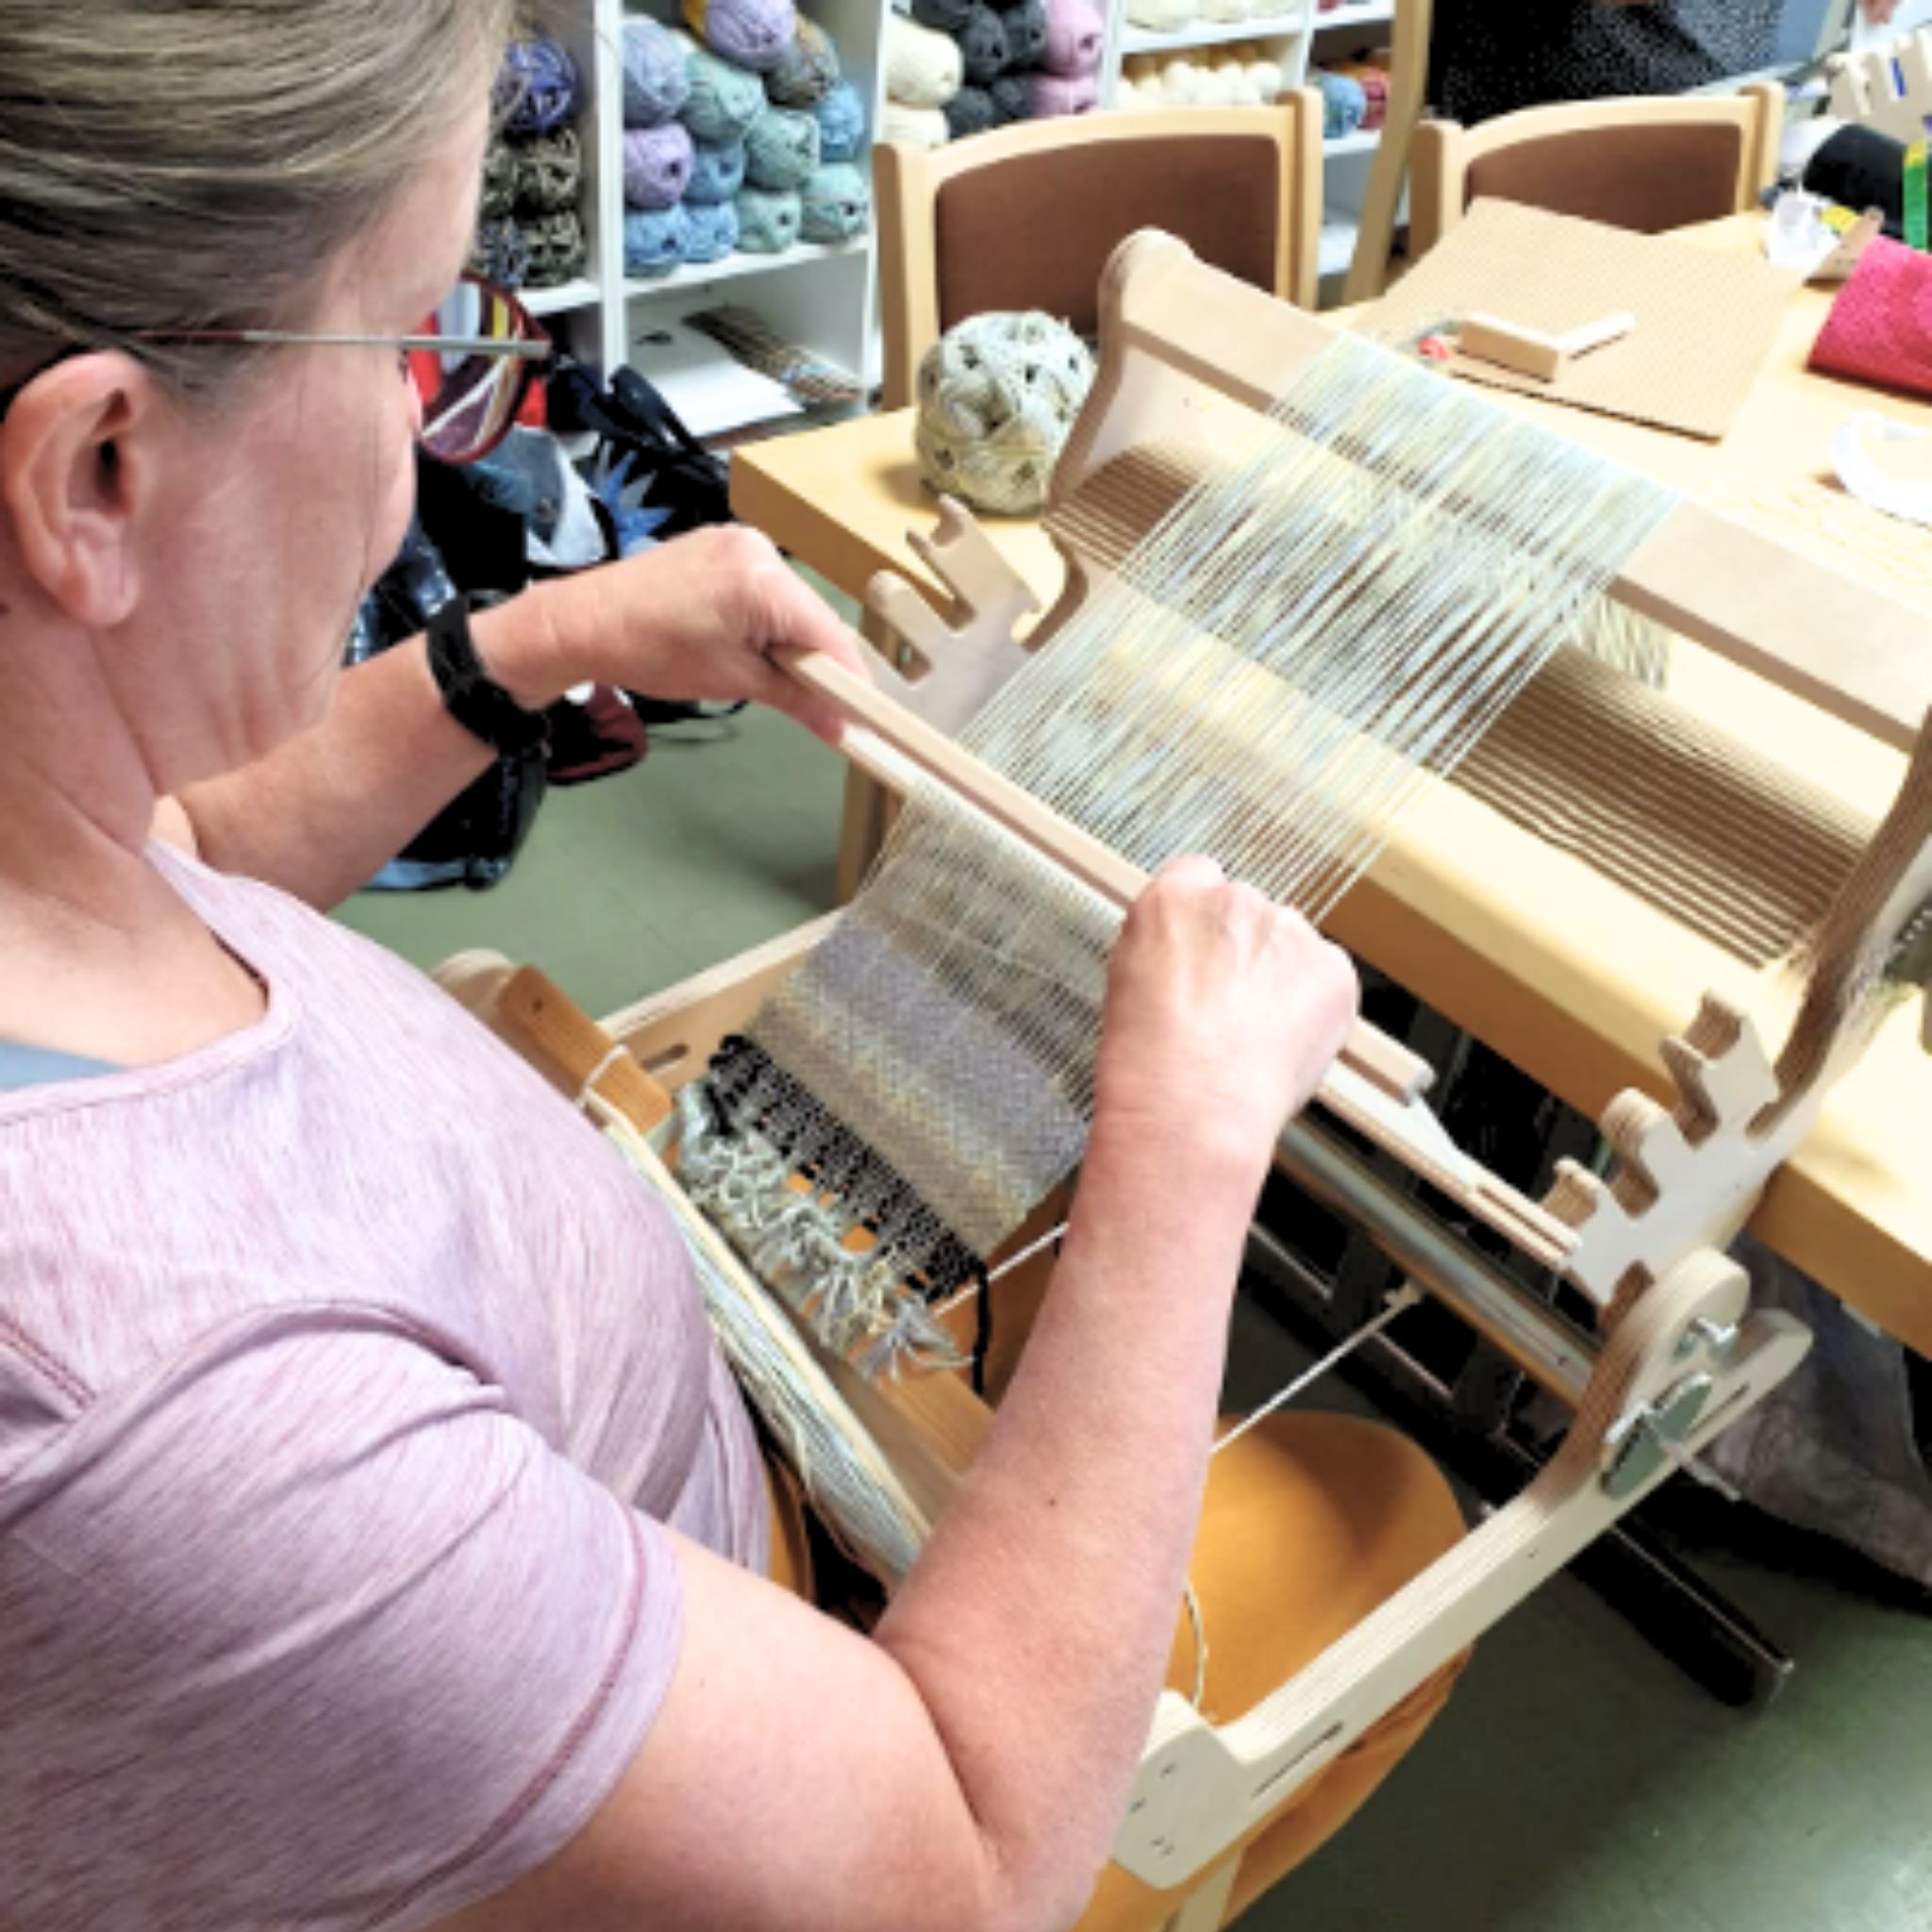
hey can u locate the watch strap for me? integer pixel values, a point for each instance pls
(479, 705)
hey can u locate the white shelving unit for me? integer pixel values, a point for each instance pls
(820, 298)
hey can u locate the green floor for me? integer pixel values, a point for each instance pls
(1577, 1783)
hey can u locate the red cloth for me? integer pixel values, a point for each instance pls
(1880, 327)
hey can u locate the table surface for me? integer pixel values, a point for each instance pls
(1563, 971)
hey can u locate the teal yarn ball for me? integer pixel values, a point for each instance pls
(709, 233)
(768, 222)
(717, 173)
(841, 125)
(810, 70)
(781, 149)
(998, 400)
(655, 82)
(723, 100)
(834, 205)
(654, 241)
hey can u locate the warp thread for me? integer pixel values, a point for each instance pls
(653, 240)
(756, 34)
(656, 165)
(914, 127)
(983, 52)
(500, 254)
(656, 85)
(538, 88)
(723, 100)
(710, 232)
(1050, 95)
(549, 172)
(558, 245)
(1074, 34)
(810, 70)
(997, 399)
(717, 173)
(750, 340)
(781, 149)
(768, 221)
(834, 205)
(923, 66)
(841, 125)
(1026, 28)
(969, 111)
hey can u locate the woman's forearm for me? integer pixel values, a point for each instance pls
(322, 814)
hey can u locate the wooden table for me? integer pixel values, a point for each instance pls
(1570, 976)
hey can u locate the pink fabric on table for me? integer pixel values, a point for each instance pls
(1880, 327)
(1053, 96)
(1075, 32)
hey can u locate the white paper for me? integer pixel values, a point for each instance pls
(1857, 453)
(706, 384)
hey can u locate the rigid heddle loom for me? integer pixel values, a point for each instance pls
(1275, 642)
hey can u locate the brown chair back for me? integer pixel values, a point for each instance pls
(1647, 178)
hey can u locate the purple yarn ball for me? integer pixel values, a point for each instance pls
(656, 165)
(1075, 31)
(757, 34)
(1053, 96)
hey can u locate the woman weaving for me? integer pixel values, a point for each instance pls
(380, 1537)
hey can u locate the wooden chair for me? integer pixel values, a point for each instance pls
(1028, 217)
(1643, 164)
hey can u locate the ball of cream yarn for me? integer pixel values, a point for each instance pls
(997, 399)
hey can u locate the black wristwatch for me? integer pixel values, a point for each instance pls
(483, 708)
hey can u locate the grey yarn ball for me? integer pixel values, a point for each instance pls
(1025, 29)
(499, 181)
(834, 205)
(559, 248)
(998, 400)
(982, 48)
(1012, 99)
(969, 111)
(946, 16)
(808, 72)
(768, 224)
(550, 173)
(781, 149)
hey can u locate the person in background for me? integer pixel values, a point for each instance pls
(1492, 57)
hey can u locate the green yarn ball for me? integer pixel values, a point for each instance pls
(723, 100)
(768, 222)
(781, 149)
(836, 204)
(998, 400)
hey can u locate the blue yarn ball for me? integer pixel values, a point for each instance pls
(841, 124)
(654, 241)
(723, 100)
(834, 205)
(767, 223)
(654, 83)
(717, 173)
(1344, 104)
(781, 149)
(710, 233)
(536, 86)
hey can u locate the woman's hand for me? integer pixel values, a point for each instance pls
(1220, 1008)
(694, 619)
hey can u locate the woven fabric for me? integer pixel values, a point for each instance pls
(1880, 327)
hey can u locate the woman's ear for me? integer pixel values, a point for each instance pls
(77, 477)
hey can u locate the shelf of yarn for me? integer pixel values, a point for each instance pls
(581, 292)
(1207, 33)
(737, 265)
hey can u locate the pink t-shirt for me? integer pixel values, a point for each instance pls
(347, 1380)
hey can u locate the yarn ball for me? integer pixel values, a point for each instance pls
(983, 53)
(841, 125)
(1053, 96)
(969, 111)
(653, 240)
(997, 399)
(710, 233)
(500, 254)
(922, 65)
(1268, 78)
(1160, 16)
(756, 34)
(1025, 27)
(559, 248)
(1222, 12)
(1344, 104)
(834, 205)
(536, 86)
(768, 222)
(723, 100)
(913, 126)
(655, 82)
(550, 173)
(499, 180)
(717, 173)
(944, 16)
(1012, 99)
(1075, 31)
(656, 165)
(781, 149)
(810, 70)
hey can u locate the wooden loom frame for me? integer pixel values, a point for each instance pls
(1688, 1357)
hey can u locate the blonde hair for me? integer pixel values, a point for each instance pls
(179, 164)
